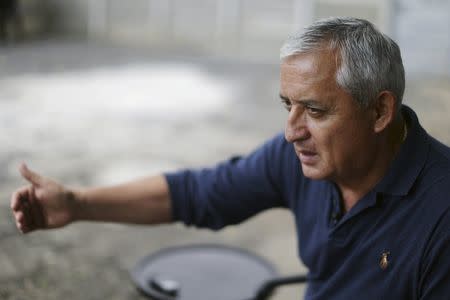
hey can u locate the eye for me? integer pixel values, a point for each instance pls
(315, 112)
(287, 104)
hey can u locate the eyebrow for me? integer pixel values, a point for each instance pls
(306, 102)
(284, 98)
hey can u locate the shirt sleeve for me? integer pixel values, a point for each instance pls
(434, 280)
(230, 192)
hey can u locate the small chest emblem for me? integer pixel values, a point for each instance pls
(384, 260)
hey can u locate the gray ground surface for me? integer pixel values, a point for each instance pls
(90, 114)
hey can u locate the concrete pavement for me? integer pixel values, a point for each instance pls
(90, 113)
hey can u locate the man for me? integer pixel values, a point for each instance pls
(369, 188)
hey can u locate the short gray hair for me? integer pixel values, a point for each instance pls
(370, 61)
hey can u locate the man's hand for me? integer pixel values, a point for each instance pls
(43, 204)
(46, 204)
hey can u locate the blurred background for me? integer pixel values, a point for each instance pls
(98, 92)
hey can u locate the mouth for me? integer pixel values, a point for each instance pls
(307, 157)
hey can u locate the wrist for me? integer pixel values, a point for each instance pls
(77, 200)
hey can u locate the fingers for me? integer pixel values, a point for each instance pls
(26, 215)
(17, 198)
(24, 204)
(26, 224)
(20, 222)
(36, 212)
(29, 175)
(21, 210)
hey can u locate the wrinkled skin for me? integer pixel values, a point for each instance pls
(334, 137)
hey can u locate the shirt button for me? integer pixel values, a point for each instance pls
(335, 218)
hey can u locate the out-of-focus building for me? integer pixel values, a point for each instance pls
(249, 29)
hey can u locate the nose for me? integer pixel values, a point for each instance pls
(296, 125)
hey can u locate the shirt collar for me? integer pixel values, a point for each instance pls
(409, 161)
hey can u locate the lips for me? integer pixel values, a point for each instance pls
(307, 157)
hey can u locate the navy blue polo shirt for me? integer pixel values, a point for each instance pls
(393, 244)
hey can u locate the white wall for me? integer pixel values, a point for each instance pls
(255, 29)
(423, 33)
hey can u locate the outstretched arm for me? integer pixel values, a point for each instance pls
(46, 204)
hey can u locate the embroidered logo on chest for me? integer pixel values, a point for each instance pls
(384, 260)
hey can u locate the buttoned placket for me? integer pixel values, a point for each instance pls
(337, 226)
(336, 207)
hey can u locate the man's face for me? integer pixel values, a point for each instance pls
(331, 134)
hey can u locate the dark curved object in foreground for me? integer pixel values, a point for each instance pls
(205, 272)
(266, 290)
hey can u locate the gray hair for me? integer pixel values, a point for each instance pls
(370, 60)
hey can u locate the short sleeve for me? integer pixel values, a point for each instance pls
(231, 191)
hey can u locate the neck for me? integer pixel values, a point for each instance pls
(385, 148)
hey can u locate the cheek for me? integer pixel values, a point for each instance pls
(347, 144)
(334, 142)
(324, 135)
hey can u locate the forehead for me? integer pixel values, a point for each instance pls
(309, 69)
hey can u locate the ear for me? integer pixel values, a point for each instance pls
(385, 108)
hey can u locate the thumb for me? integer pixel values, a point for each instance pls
(29, 175)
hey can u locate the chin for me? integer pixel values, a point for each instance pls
(312, 172)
